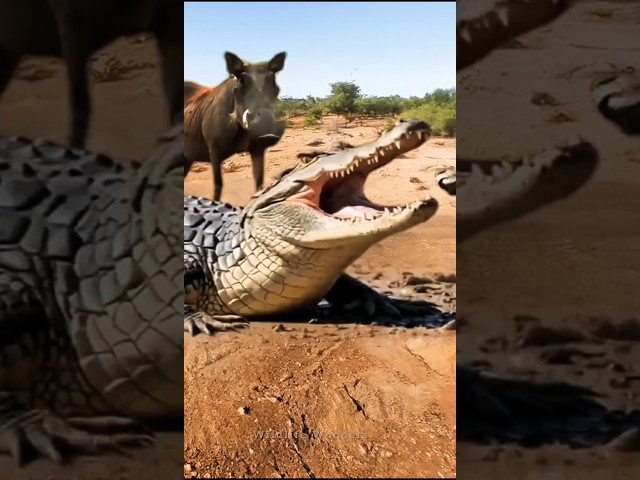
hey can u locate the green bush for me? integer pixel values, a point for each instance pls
(441, 119)
(313, 116)
(438, 108)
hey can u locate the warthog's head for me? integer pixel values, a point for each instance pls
(255, 96)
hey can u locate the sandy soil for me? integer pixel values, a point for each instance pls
(129, 114)
(573, 264)
(391, 390)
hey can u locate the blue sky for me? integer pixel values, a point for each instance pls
(387, 48)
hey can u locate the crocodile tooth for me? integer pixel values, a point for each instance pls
(465, 33)
(574, 139)
(398, 145)
(503, 15)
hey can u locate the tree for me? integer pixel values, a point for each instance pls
(441, 96)
(342, 100)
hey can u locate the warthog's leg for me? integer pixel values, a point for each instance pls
(8, 64)
(257, 165)
(216, 165)
(75, 55)
(171, 52)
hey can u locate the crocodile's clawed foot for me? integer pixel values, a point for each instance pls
(357, 301)
(28, 434)
(199, 322)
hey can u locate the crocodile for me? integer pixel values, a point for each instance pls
(492, 407)
(90, 355)
(287, 249)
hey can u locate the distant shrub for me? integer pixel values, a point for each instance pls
(313, 117)
(442, 120)
(437, 108)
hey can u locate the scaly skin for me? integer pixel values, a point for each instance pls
(89, 296)
(287, 249)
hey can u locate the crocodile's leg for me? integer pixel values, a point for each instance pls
(501, 400)
(360, 302)
(28, 423)
(196, 322)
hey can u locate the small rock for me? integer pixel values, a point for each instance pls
(492, 455)
(540, 336)
(629, 329)
(279, 328)
(561, 356)
(617, 367)
(446, 278)
(414, 280)
(617, 382)
(543, 99)
(243, 410)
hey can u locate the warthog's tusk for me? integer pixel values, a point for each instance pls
(245, 118)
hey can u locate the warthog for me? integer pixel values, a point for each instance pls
(75, 29)
(236, 116)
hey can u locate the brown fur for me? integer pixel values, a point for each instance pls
(213, 117)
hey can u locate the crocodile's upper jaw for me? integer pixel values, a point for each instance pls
(322, 204)
(512, 190)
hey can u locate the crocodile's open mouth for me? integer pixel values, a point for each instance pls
(339, 192)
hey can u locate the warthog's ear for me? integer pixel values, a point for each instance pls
(277, 62)
(235, 66)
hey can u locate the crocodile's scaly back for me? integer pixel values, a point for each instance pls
(90, 281)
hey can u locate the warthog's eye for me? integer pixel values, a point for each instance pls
(242, 80)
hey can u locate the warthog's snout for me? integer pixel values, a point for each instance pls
(262, 126)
